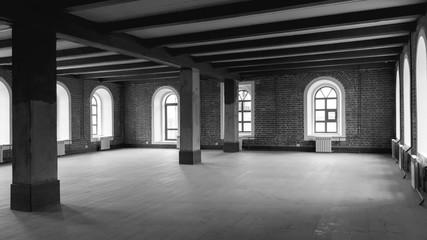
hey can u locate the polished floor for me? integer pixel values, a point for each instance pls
(145, 194)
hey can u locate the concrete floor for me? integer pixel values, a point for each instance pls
(146, 194)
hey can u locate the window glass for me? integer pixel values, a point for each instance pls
(171, 117)
(326, 98)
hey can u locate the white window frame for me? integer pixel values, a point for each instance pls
(407, 101)
(309, 120)
(249, 86)
(66, 122)
(8, 127)
(158, 135)
(105, 113)
(421, 91)
(398, 103)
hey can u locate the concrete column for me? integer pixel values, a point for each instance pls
(189, 152)
(231, 132)
(35, 182)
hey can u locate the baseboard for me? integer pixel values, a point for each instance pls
(279, 148)
(149, 146)
(211, 147)
(313, 149)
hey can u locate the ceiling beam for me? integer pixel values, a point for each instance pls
(79, 30)
(6, 43)
(76, 5)
(78, 51)
(299, 51)
(404, 14)
(314, 58)
(109, 68)
(165, 76)
(313, 64)
(66, 54)
(306, 39)
(351, 67)
(151, 71)
(211, 13)
(93, 60)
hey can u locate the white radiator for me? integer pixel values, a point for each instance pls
(60, 148)
(323, 144)
(1, 154)
(414, 170)
(401, 155)
(105, 143)
(394, 149)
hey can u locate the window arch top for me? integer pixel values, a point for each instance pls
(244, 95)
(171, 99)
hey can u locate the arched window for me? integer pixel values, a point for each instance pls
(63, 112)
(421, 95)
(165, 116)
(95, 114)
(397, 104)
(5, 113)
(101, 113)
(407, 102)
(245, 109)
(171, 117)
(324, 109)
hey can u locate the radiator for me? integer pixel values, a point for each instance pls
(105, 143)
(323, 144)
(394, 149)
(60, 148)
(1, 154)
(414, 172)
(401, 155)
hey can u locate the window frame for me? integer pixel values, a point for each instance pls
(166, 128)
(326, 110)
(158, 134)
(309, 109)
(70, 125)
(249, 86)
(105, 118)
(9, 90)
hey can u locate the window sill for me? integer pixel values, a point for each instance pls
(335, 138)
(166, 142)
(98, 138)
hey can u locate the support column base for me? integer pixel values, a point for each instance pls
(33, 197)
(190, 157)
(231, 147)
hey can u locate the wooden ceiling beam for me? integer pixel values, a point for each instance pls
(93, 60)
(78, 51)
(305, 39)
(311, 58)
(405, 13)
(351, 67)
(211, 13)
(301, 51)
(138, 78)
(330, 63)
(109, 68)
(79, 30)
(151, 71)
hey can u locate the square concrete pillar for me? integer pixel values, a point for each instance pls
(35, 182)
(189, 152)
(231, 132)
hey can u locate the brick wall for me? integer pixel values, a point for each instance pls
(80, 91)
(279, 110)
(137, 110)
